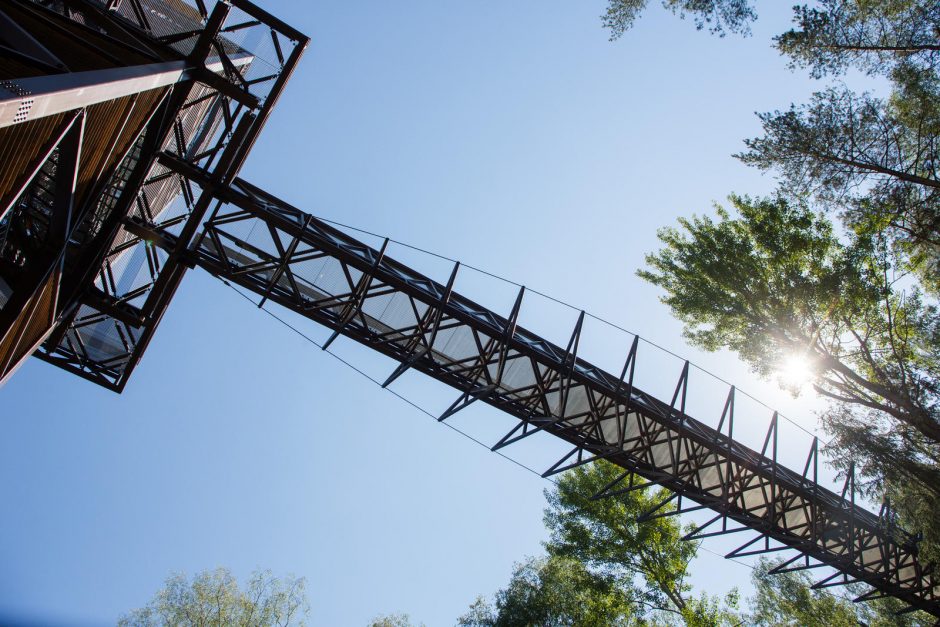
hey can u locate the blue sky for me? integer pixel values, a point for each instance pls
(512, 136)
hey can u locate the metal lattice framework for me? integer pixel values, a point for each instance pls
(261, 243)
(172, 200)
(221, 93)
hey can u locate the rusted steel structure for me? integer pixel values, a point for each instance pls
(120, 173)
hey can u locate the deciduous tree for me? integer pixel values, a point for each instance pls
(603, 567)
(553, 592)
(648, 559)
(393, 620)
(774, 281)
(214, 599)
(788, 599)
(779, 279)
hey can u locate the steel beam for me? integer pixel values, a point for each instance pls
(489, 358)
(26, 99)
(214, 128)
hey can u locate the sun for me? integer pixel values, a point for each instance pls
(796, 370)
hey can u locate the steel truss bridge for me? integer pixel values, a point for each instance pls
(123, 126)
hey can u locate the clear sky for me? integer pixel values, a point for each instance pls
(510, 135)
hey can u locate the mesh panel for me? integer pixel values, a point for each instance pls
(99, 339)
(518, 373)
(242, 33)
(162, 18)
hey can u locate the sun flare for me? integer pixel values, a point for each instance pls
(796, 370)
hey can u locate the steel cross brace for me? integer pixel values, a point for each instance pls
(615, 419)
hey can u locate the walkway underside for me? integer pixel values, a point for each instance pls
(287, 256)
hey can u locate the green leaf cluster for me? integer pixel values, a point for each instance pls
(214, 599)
(554, 592)
(717, 16)
(788, 599)
(603, 567)
(842, 265)
(873, 35)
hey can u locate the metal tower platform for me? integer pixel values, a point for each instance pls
(90, 93)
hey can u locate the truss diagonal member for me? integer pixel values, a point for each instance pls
(767, 548)
(64, 203)
(286, 258)
(565, 382)
(43, 155)
(570, 359)
(721, 445)
(511, 436)
(849, 505)
(438, 315)
(661, 511)
(466, 399)
(835, 579)
(544, 423)
(632, 485)
(910, 609)
(406, 365)
(358, 296)
(681, 393)
(872, 595)
(650, 514)
(625, 390)
(789, 567)
(696, 533)
(509, 331)
(489, 357)
(771, 440)
(580, 460)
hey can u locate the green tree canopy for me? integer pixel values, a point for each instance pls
(553, 592)
(841, 140)
(873, 161)
(788, 599)
(828, 36)
(393, 620)
(872, 35)
(718, 16)
(214, 599)
(647, 559)
(603, 567)
(777, 278)
(774, 280)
